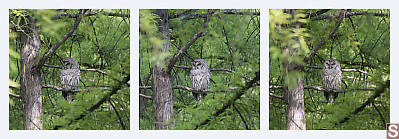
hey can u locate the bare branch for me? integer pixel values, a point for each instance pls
(197, 91)
(204, 15)
(322, 89)
(58, 88)
(322, 17)
(59, 67)
(184, 49)
(276, 96)
(354, 70)
(145, 96)
(67, 15)
(320, 12)
(212, 69)
(52, 50)
(343, 70)
(14, 95)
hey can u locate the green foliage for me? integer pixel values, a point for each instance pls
(361, 42)
(100, 42)
(230, 42)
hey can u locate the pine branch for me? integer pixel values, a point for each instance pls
(188, 16)
(52, 50)
(355, 13)
(99, 103)
(330, 35)
(230, 102)
(377, 93)
(320, 12)
(193, 39)
(67, 15)
(322, 89)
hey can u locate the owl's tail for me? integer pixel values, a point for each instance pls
(198, 96)
(67, 96)
(330, 96)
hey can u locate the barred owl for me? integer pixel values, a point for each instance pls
(199, 76)
(331, 78)
(69, 77)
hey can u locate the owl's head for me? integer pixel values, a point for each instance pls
(199, 64)
(69, 63)
(331, 64)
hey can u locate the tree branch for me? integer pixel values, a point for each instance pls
(330, 35)
(194, 90)
(59, 67)
(343, 70)
(320, 12)
(52, 50)
(378, 92)
(202, 15)
(276, 96)
(184, 49)
(232, 100)
(58, 88)
(67, 15)
(322, 89)
(145, 96)
(14, 95)
(212, 69)
(354, 13)
(98, 104)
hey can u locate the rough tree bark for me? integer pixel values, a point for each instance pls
(295, 111)
(30, 79)
(161, 81)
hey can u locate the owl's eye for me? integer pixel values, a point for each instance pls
(333, 63)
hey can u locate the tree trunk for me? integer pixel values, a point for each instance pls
(161, 82)
(295, 112)
(30, 79)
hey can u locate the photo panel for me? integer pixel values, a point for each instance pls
(329, 69)
(199, 69)
(69, 69)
